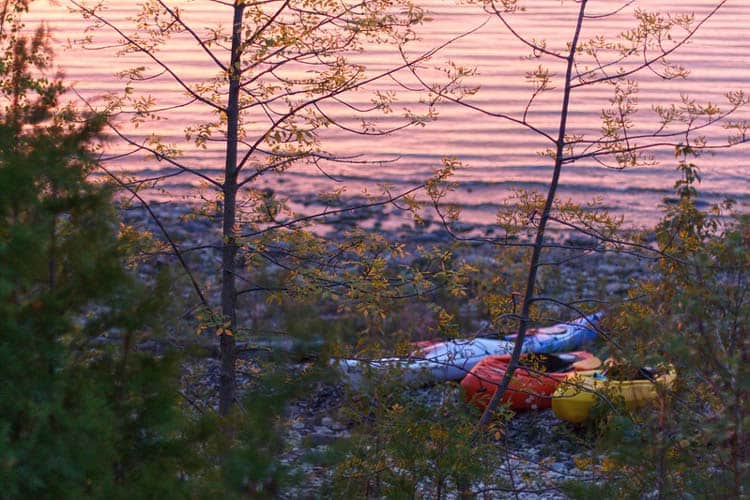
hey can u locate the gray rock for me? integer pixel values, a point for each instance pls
(327, 421)
(322, 436)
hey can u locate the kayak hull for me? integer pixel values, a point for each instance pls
(574, 399)
(530, 388)
(454, 359)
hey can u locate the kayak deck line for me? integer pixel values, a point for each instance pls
(454, 359)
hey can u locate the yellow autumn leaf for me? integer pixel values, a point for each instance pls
(582, 462)
(609, 464)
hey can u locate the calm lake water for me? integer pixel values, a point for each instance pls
(498, 155)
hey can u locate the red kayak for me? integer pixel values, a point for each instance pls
(533, 382)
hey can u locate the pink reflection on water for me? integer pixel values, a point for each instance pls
(498, 155)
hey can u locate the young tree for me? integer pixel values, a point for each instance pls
(281, 69)
(77, 418)
(572, 72)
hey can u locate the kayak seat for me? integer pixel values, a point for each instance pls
(630, 373)
(550, 363)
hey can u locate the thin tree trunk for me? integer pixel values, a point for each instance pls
(739, 442)
(51, 259)
(539, 240)
(227, 380)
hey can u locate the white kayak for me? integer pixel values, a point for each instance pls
(453, 359)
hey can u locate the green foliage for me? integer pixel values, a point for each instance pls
(78, 419)
(404, 447)
(694, 313)
(83, 411)
(242, 451)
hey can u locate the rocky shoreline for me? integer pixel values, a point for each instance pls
(539, 452)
